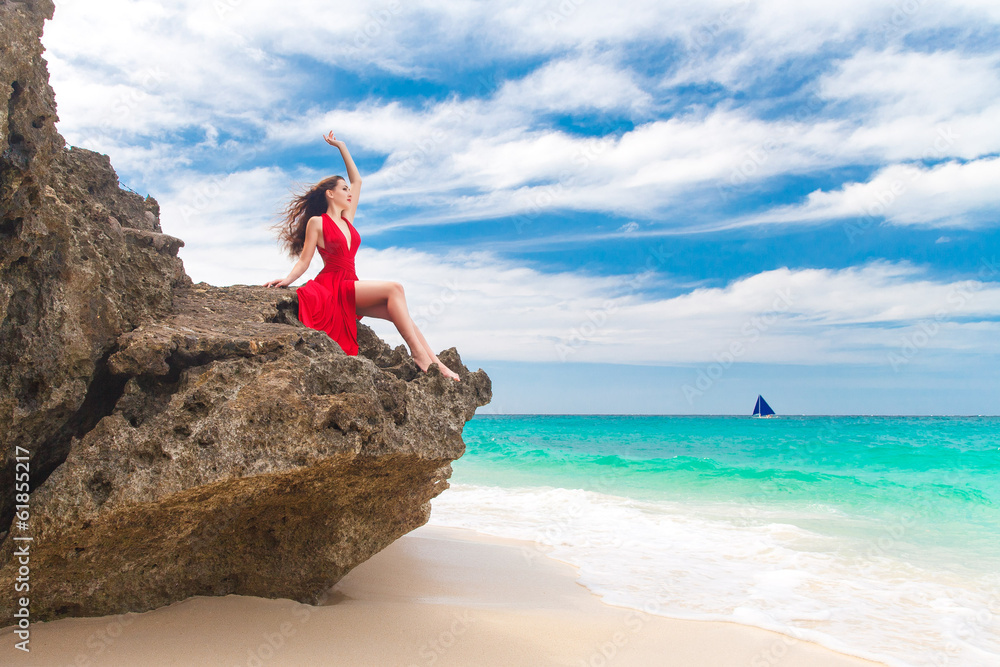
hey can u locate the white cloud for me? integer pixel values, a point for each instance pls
(491, 308)
(487, 151)
(149, 68)
(213, 212)
(171, 90)
(573, 85)
(934, 85)
(161, 74)
(951, 194)
(485, 162)
(904, 103)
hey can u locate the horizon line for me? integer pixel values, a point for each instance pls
(672, 414)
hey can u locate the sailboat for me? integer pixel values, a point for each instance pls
(762, 409)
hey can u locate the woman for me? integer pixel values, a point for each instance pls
(335, 299)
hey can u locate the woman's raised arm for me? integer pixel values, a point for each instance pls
(353, 175)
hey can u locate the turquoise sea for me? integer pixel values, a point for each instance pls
(875, 536)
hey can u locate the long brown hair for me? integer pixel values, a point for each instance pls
(292, 226)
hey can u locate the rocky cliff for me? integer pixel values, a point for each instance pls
(182, 439)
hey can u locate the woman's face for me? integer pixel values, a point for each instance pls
(340, 195)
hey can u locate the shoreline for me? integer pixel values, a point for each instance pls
(436, 596)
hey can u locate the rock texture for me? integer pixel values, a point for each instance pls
(184, 439)
(81, 261)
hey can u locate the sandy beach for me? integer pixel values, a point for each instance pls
(437, 596)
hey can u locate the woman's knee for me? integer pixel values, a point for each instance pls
(396, 289)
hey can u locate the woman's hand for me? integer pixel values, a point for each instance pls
(334, 141)
(280, 282)
(352, 171)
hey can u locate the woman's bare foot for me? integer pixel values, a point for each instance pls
(424, 362)
(447, 372)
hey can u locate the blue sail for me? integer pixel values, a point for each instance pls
(762, 409)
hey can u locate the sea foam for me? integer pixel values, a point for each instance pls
(756, 565)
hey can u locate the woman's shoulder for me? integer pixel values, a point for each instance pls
(315, 225)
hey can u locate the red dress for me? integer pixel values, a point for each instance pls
(327, 301)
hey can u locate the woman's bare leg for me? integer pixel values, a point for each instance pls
(420, 335)
(386, 300)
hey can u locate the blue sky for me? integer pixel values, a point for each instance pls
(655, 207)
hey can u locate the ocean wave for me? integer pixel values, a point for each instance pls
(853, 589)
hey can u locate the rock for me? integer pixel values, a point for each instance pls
(183, 439)
(71, 279)
(240, 454)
